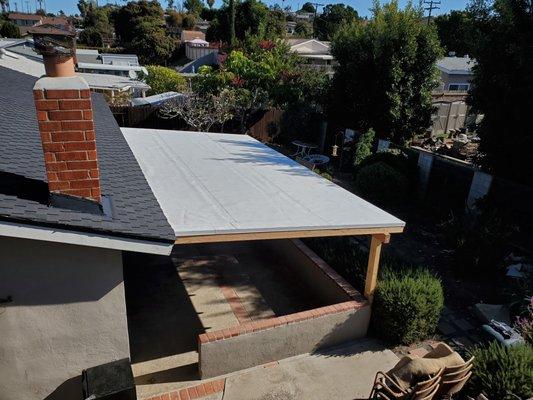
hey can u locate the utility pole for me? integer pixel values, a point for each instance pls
(431, 5)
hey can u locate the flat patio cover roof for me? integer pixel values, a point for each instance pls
(221, 187)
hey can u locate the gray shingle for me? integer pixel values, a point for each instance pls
(136, 210)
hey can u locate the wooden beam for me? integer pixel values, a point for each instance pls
(373, 264)
(234, 237)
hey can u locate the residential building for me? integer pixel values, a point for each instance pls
(26, 21)
(202, 25)
(451, 111)
(316, 53)
(187, 36)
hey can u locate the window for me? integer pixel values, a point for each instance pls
(458, 87)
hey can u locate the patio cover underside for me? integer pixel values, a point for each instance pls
(216, 187)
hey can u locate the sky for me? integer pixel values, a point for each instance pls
(362, 6)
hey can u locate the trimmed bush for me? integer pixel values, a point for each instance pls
(503, 373)
(381, 184)
(407, 305)
(363, 148)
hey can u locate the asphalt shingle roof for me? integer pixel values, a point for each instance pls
(136, 212)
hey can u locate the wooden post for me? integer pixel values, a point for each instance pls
(373, 264)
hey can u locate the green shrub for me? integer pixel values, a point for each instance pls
(163, 79)
(503, 373)
(407, 305)
(381, 184)
(363, 148)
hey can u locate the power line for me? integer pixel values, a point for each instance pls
(432, 5)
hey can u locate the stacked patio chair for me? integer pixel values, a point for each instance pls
(386, 388)
(450, 374)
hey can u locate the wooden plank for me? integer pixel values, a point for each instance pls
(234, 237)
(373, 265)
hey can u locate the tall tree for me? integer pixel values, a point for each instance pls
(332, 18)
(455, 32)
(386, 72)
(502, 86)
(303, 29)
(211, 3)
(193, 6)
(231, 6)
(309, 7)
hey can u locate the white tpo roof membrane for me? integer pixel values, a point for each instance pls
(214, 184)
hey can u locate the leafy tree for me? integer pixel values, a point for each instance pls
(309, 7)
(133, 18)
(174, 19)
(9, 30)
(275, 24)
(332, 18)
(170, 4)
(97, 21)
(231, 6)
(152, 44)
(210, 3)
(455, 32)
(502, 84)
(304, 29)
(91, 37)
(163, 79)
(363, 148)
(386, 73)
(193, 6)
(188, 21)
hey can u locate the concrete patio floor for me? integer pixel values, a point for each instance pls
(342, 373)
(171, 300)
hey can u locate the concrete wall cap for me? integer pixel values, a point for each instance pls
(61, 83)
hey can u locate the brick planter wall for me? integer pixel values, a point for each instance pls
(259, 342)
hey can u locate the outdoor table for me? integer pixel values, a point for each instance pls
(302, 148)
(317, 159)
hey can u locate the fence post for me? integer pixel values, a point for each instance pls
(480, 186)
(425, 163)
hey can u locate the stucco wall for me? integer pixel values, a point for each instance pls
(286, 340)
(454, 78)
(68, 313)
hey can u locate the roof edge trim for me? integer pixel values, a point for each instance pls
(47, 234)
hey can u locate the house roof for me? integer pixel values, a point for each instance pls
(31, 17)
(309, 46)
(190, 35)
(213, 185)
(135, 213)
(456, 65)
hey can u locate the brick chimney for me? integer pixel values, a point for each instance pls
(65, 116)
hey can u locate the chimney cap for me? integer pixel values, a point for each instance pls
(50, 40)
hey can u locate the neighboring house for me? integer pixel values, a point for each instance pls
(198, 48)
(290, 27)
(449, 99)
(202, 25)
(456, 73)
(187, 36)
(317, 53)
(26, 21)
(112, 78)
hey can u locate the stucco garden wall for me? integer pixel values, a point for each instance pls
(67, 313)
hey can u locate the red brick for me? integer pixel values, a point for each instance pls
(165, 396)
(73, 175)
(211, 336)
(201, 390)
(58, 185)
(68, 136)
(76, 165)
(184, 394)
(53, 147)
(52, 177)
(202, 338)
(83, 184)
(46, 137)
(174, 396)
(49, 126)
(38, 94)
(74, 104)
(87, 114)
(79, 192)
(62, 94)
(219, 385)
(65, 115)
(77, 125)
(94, 173)
(45, 105)
(95, 193)
(56, 166)
(87, 145)
(89, 135)
(209, 389)
(49, 157)
(91, 155)
(85, 93)
(193, 394)
(218, 335)
(72, 156)
(42, 116)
